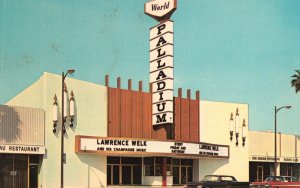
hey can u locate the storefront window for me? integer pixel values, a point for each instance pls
(288, 169)
(33, 159)
(296, 171)
(180, 169)
(176, 161)
(131, 160)
(158, 170)
(18, 170)
(169, 161)
(283, 169)
(158, 166)
(184, 161)
(149, 166)
(113, 160)
(169, 173)
(154, 166)
(149, 170)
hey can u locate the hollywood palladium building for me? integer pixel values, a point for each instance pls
(119, 136)
(111, 139)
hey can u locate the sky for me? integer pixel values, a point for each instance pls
(230, 50)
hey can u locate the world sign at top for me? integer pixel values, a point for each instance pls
(160, 9)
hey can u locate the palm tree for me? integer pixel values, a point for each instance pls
(296, 81)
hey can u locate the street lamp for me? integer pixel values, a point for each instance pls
(63, 129)
(275, 145)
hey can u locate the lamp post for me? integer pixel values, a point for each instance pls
(275, 145)
(63, 129)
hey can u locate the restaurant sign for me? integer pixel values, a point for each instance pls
(271, 159)
(22, 149)
(123, 146)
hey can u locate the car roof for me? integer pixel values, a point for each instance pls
(220, 175)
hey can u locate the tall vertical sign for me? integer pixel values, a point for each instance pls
(161, 60)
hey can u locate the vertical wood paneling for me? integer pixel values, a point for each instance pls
(177, 122)
(114, 112)
(185, 120)
(126, 109)
(130, 115)
(147, 115)
(194, 119)
(136, 115)
(160, 133)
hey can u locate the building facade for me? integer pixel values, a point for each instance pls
(112, 141)
(261, 156)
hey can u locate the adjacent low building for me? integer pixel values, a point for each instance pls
(261, 156)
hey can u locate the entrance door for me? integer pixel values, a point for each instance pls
(113, 177)
(131, 175)
(33, 176)
(182, 171)
(13, 173)
(186, 174)
(126, 174)
(183, 175)
(137, 171)
(260, 173)
(175, 171)
(124, 171)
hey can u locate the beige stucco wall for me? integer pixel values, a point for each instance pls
(91, 119)
(265, 146)
(26, 99)
(288, 146)
(214, 128)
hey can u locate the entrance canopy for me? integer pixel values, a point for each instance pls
(145, 147)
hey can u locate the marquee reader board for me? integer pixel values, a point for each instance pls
(124, 146)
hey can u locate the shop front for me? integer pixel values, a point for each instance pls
(148, 162)
(19, 170)
(261, 159)
(147, 170)
(262, 166)
(21, 146)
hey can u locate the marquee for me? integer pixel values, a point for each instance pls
(144, 147)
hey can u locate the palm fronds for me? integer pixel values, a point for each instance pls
(296, 81)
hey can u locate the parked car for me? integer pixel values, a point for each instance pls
(277, 182)
(281, 178)
(216, 181)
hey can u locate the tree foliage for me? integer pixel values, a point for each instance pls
(296, 81)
